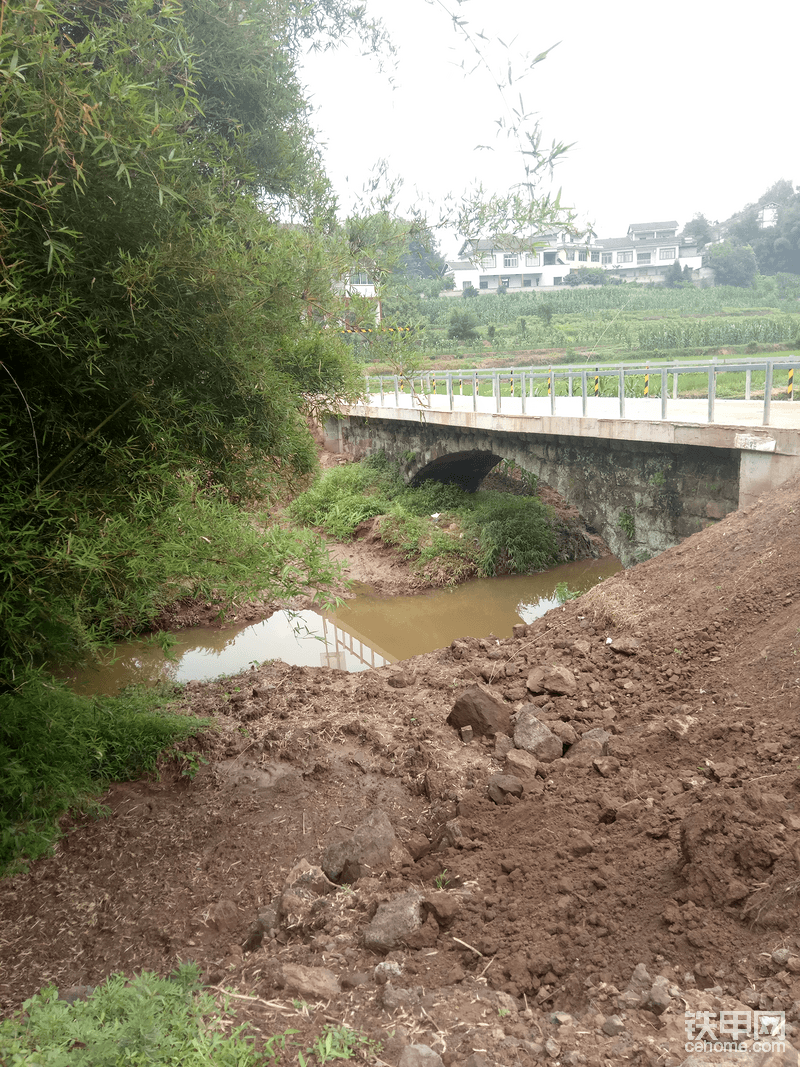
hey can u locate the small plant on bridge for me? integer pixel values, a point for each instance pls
(627, 523)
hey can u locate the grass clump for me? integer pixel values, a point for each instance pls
(169, 1022)
(58, 750)
(485, 533)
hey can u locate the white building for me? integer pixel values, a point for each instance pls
(544, 261)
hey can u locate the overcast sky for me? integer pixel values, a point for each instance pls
(674, 108)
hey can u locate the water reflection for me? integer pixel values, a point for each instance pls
(367, 631)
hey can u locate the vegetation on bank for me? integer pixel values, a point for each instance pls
(446, 533)
(58, 751)
(170, 1021)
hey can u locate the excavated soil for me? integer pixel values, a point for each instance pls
(567, 906)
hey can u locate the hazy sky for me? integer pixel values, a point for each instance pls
(674, 108)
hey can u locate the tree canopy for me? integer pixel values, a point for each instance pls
(771, 227)
(167, 242)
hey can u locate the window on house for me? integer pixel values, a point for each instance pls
(531, 259)
(484, 283)
(666, 253)
(549, 259)
(570, 255)
(642, 257)
(624, 257)
(467, 285)
(526, 283)
(558, 281)
(595, 257)
(487, 259)
(583, 257)
(510, 259)
(359, 277)
(607, 257)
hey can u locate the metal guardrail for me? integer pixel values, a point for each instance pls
(529, 382)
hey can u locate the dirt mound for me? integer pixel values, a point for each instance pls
(629, 853)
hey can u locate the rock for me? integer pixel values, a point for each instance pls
(419, 1056)
(479, 708)
(659, 999)
(447, 836)
(224, 916)
(626, 646)
(557, 680)
(613, 1026)
(417, 844)
(502, 785)
(522, 763)
(312, 878)
(503, 744)
(641, 983)
(606, 765)
(533, 736)
(597, 733)
(780, 957)
(564, 732)
(466, 734)
(394, 922)
(75, 992)
(316, 983)
(402, 680)
(386, 970)
(586, 751)
(372, 845)
(443, 906)
(581, 844)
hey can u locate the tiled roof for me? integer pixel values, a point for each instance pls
(669, 225)
(460, 264)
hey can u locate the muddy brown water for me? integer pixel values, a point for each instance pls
(367, 631)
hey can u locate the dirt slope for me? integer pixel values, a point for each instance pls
(668, 837)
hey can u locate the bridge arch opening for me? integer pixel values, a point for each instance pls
(465, 469)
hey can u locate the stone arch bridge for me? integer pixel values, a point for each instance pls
(643, 486)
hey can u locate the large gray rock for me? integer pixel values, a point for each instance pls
(370, 849)
(533, 736)
(394, 922)
(479, 708)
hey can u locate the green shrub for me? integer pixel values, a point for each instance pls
(143, 1021)
(58, 750)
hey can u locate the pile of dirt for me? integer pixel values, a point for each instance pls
(543, 849)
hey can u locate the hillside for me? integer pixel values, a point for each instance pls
(572, 909)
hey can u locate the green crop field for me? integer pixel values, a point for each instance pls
(608, 323)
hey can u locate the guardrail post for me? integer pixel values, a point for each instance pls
(674, 385)
(569, 383)
(396, 391)
(622, 390)
(496, 390)
(583, 393)
(524, 390)
(712, 391)
(748, 378)
(383, 399)
(450, 389)
(790, 384)
(767, 392)
(474, 390)
(664, 391)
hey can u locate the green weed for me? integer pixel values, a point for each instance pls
(58, 749)
(339, 1043)
(139, 1022)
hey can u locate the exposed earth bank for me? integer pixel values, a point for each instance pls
(616, 844)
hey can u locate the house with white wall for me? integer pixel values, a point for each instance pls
(642, 255)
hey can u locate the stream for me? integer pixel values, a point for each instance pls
(367, 631)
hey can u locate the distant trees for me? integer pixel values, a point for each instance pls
(733, 264)
(771, 227)
(699, 230)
